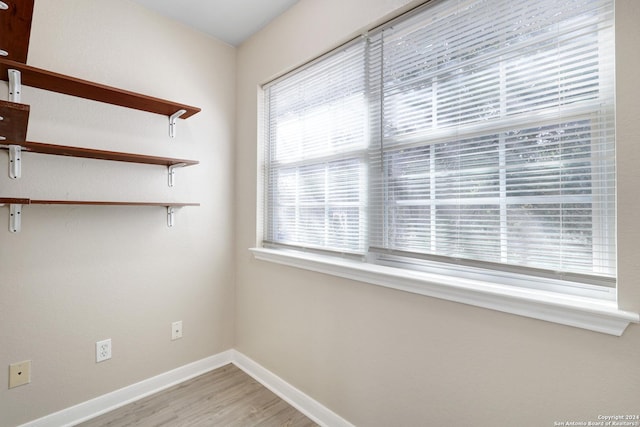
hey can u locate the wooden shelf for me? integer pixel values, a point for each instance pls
(15, 32)
(15, 117)
(63, 150)
(22, 201)
(13, 127)
(16, 204)
(15, 29)
(13, 201)
(55, 82)
(109, 203)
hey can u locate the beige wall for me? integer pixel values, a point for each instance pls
(380, 357)
(76, 275)
(376, 356)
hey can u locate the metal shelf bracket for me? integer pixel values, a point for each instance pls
(15, 161)
(172, 172)
(170, 216)
(15, 85)
(15, 214)
(172, 122)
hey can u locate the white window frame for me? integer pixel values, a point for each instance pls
(594, 309)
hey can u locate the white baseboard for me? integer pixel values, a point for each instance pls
(302, 402)
(110, 401)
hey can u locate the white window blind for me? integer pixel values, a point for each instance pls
(317, 133)
(474, 133)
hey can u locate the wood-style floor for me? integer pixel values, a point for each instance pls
(224, 397)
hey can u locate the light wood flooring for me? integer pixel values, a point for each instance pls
(224, 397)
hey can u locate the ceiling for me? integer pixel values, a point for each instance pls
(231, 21)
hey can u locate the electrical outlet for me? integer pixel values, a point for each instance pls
(176, 330)
(19, 373)
(103, 350)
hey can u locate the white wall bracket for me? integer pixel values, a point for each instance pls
(172, 172)
(15, 85)
(15, 215)
(170, 216)
(172, 122)
(15, 161)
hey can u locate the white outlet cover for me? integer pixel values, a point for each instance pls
(103, 350)
(176, 330)
(19, 373)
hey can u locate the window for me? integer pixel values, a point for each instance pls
(470, 138)
(318, 147)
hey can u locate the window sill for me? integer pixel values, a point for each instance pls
(580, 312)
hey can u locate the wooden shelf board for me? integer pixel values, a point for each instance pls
(13, 201)
(108, 203)
(15, 29)
(15, 118)
(63, 150)
(48, 80)
(22, 201)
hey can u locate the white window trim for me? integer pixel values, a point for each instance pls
(586, 313)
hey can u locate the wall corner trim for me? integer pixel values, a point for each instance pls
(296, 398)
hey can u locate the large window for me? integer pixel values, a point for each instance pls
(470, 137)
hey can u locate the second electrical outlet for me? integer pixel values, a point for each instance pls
(176, 330)
(103, 350)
